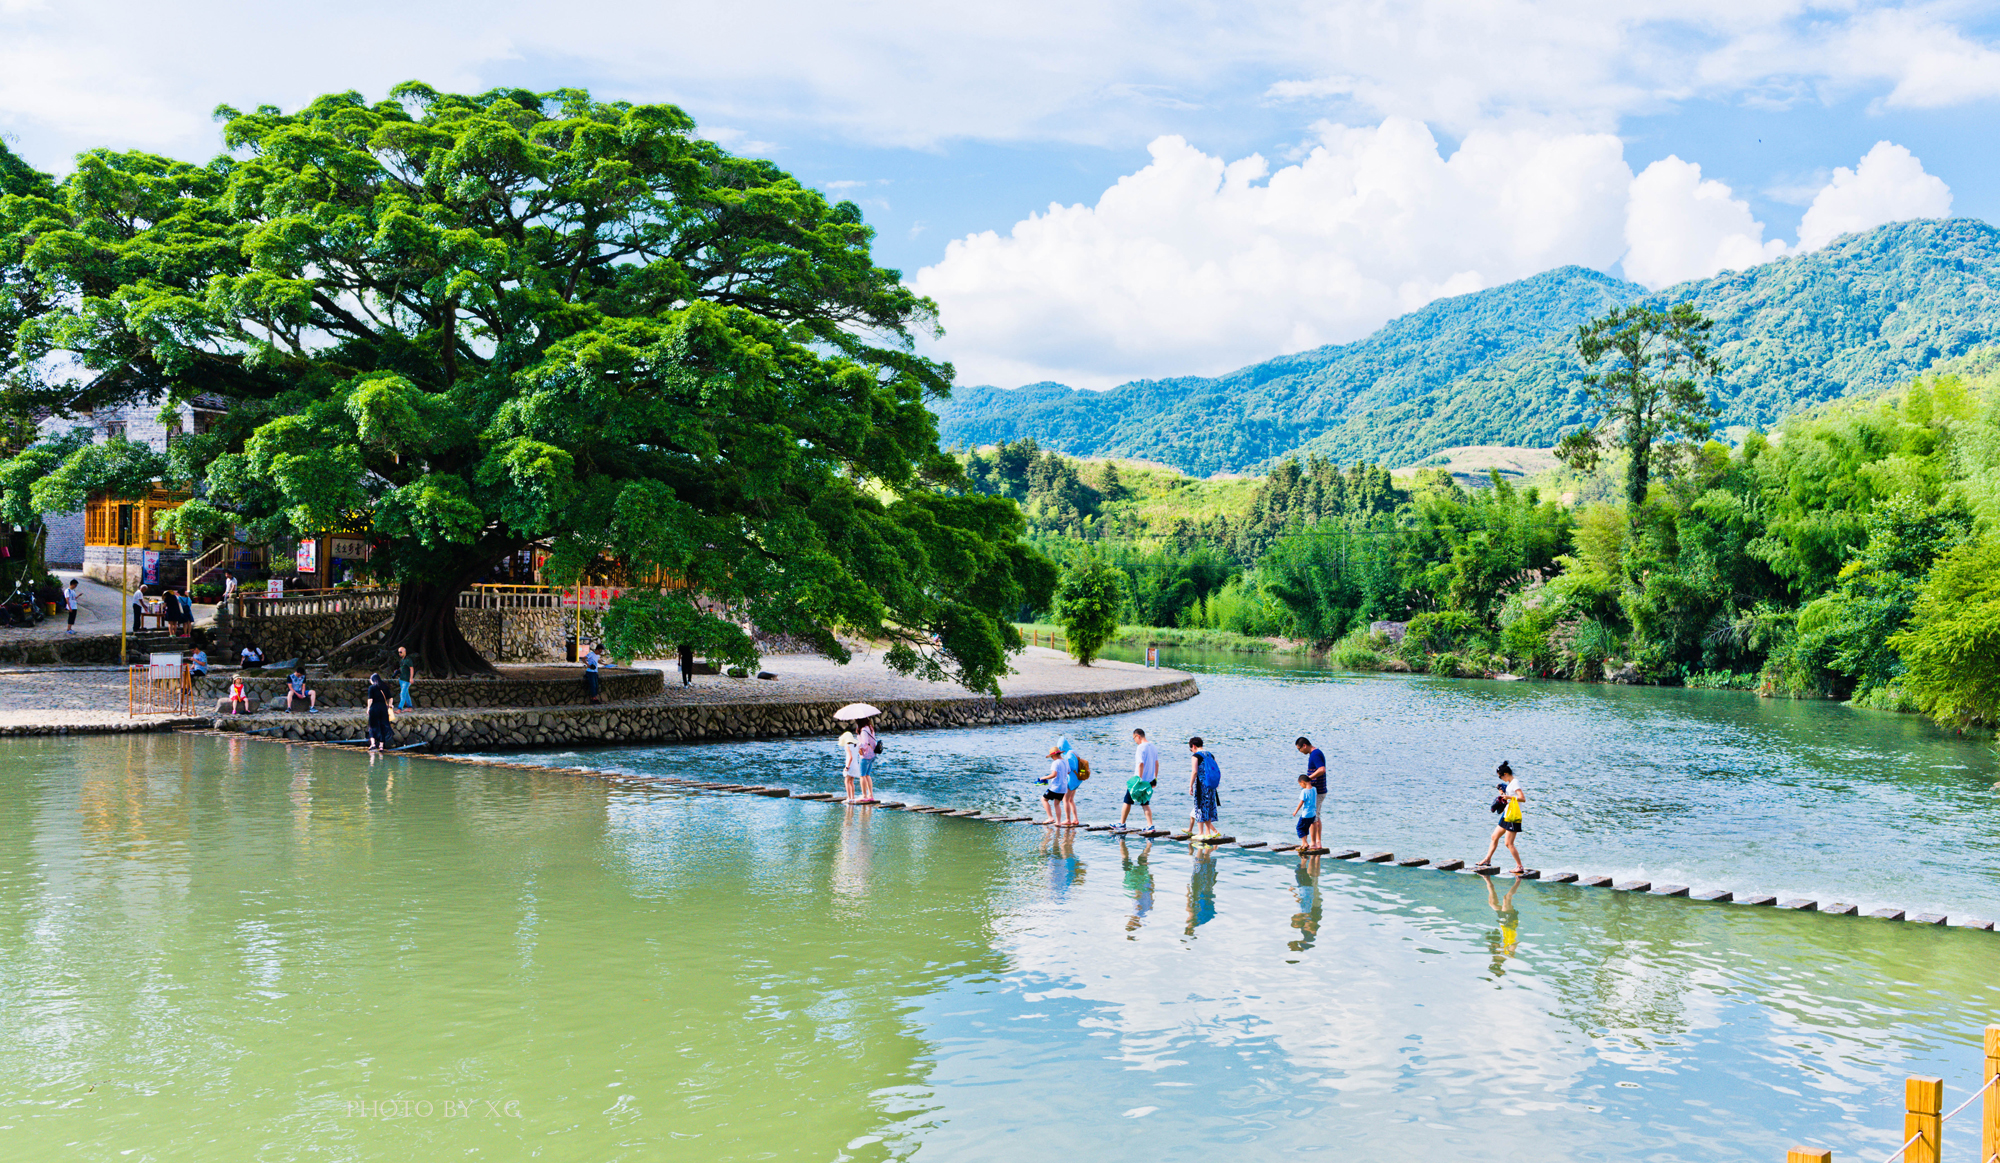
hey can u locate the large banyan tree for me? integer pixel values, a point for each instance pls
(483, 322)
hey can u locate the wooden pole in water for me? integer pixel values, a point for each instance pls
(1923, 1118)
(1808, 1155)
(1989, 1123)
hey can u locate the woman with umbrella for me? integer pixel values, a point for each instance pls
(866, 745)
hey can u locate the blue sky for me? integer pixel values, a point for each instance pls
(1229, 181)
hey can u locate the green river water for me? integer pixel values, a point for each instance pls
(232, 950)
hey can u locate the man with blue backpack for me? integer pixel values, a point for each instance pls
(1205, 785)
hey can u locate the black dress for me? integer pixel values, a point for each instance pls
(378, 713)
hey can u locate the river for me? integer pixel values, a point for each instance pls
(232, 949)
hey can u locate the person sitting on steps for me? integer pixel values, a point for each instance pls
(297, 692)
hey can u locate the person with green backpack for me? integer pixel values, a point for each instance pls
(1205, 785)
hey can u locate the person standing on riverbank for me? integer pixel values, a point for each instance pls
(1145, 777)
(590, 661)
(1512, 800)
(71, 597)
(1205, 785)
(406, 673)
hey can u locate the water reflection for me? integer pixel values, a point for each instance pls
(248, 938)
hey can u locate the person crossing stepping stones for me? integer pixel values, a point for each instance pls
(1510, 803)
(1307, 811)
(1145, 777)
(1205, 785)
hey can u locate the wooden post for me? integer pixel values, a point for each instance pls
(1989, 1124)
(1808, 1155)
(1923, 1107)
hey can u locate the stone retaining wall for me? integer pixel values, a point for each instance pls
(500, 635)
(490, 730)
(74, 649)
(620, 684)
(137, 725)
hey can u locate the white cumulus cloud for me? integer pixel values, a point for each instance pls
(1679, 226)
(1196, 265)
(1889, 185)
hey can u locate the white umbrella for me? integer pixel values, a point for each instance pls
(856, 711)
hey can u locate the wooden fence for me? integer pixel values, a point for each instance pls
(1924, 1119)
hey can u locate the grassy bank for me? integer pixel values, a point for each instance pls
(1139, 637)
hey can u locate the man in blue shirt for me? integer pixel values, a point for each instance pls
(1315, 764)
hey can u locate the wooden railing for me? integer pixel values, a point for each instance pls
(208, 561)
(1924, 1118)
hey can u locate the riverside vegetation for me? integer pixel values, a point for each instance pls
(1852, 553)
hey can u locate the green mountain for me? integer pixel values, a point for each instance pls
(1497, 366)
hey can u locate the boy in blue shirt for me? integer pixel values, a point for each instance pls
(1308, 813)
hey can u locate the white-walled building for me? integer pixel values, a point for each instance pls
(110, 540)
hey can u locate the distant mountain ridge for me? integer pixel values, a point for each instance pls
(1498, 366)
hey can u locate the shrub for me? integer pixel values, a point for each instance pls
(1951, 650)
(1723, 680)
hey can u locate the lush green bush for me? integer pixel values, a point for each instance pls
(1723, 680)
(1952, 647)
(1087, 602)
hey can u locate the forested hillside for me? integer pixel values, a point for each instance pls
(1498, 367)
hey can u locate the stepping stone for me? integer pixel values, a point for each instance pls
(1097, 827)
(1312, 852)
(774, 792)
(1252, 843)
(1758, 899)
(1215, 839)
(1670, 890)
(1927, 919)
(1416, 862)
(883, 804)
(1887, 914)
(1633, 886)
(1155, 833)
(968, 814)
(1284, 847)
(1972, 923)
(1378, 857)
(1560, 878)
(1449, 865)
(1594, 882)
(1525, 874)
(1715, 894)
(1484, 869)
(1801, 906)
(1840, 910)
(1183, 835)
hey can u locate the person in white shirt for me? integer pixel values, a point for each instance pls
(850, 749)
(1145, 777)
(1510, 804)
(70, 601)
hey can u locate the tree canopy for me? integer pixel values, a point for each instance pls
(1648, 399)
(469, 323)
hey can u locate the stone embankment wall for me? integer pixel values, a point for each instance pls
(73, 649)
(500, 635)
(619, 684)
(489, 730)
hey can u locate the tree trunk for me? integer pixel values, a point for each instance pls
(427, 623)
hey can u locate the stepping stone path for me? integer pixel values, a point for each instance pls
(1382, 858)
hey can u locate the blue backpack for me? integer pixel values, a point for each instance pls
(1211, 771)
